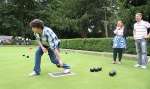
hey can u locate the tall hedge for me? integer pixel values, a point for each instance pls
(97, 44)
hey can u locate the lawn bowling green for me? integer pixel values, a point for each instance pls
(14, 72)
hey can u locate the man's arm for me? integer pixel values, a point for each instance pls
(40, 44)
(51, 37)
(148, 26)
(134, 31)
(115, 31)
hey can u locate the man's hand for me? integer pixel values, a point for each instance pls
(61, 63)
(44, 49)
(118, 28)
(146, 37)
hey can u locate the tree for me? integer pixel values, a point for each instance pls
(16, 15)
(78, 15)
(128, 9)
(64, 16)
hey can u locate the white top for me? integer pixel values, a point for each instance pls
(140, 29)
(119, 31)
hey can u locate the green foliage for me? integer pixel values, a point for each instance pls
(16, 15)
(77, 15)
(91, 44)
(127, 11)
(97, 44)
(62, 15)
(69, 17)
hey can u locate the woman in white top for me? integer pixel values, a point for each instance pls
(119, 42)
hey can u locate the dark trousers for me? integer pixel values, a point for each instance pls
(117, 52)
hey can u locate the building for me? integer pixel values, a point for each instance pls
(6, 39)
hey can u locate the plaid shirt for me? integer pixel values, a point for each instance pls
(48, 38)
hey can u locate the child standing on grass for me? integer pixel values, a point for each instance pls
(119, 42)
(48, 42)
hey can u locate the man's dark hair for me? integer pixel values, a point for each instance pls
(37, 23)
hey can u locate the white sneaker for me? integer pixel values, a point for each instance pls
(66, 71)
(33, 74)
(137, 65)
(143, 67)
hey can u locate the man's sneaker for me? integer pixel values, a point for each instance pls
(143, 67)
(66, 71)
(137, 65)
(33, 74)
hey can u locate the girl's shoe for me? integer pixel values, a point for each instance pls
(119, 63)
(114, 62)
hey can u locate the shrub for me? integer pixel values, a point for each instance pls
(97, 44)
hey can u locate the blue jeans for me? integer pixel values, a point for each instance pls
(141, 49)
(52, 56)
